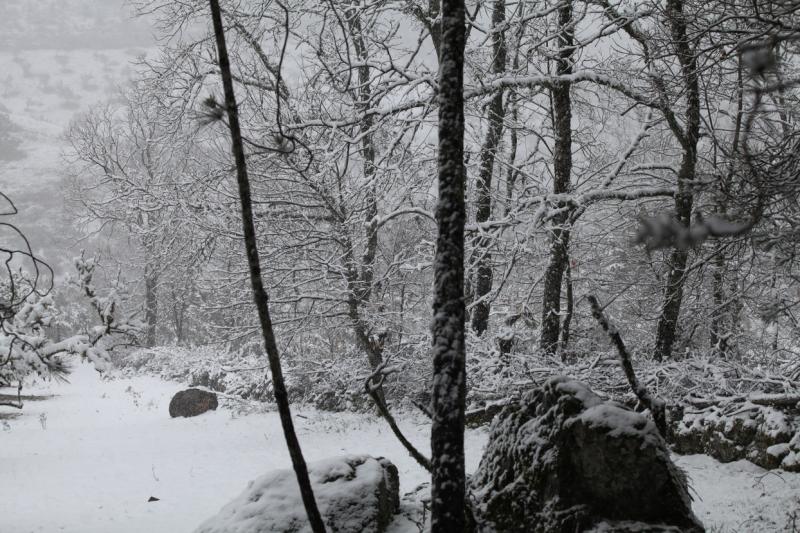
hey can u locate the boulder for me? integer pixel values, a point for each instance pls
(354, 494)
(757, 433)
(192, 402)
(562, 460)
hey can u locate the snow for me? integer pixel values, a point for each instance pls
(740, 496)
(88, 459)
(108, 445)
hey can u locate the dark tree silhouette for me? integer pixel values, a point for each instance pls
(259, 292)
(449, 374)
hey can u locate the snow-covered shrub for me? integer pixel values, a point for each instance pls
(27, 312)
(330, 384)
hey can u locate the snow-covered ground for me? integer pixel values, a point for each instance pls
(88, 459)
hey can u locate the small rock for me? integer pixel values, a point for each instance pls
(192, 402)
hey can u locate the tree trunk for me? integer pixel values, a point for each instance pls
(565, 326)
(483, 201)
(562, 172)
(259, 292)
(178, 315)
(360, 286)
(722, 320)
(667, 328)
(673, 291)
(717, 335)
(448, 498)
(553, 280)
(150, 305)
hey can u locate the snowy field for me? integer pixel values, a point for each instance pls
(88, 458)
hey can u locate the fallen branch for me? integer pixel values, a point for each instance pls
(373, 386)
(768, 400)
(484, 415)
(656, 405)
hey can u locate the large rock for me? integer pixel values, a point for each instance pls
(192, 402)
(757, 433)
(564, 460)
(354, 494)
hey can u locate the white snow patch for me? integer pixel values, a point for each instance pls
(87, 460)
(740, 496)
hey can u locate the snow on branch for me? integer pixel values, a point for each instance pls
(25, 347)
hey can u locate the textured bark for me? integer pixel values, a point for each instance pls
(565, 326)
(483, 200)
(150, 305)
(259, 292)
(562, 171)
(673, 291)
(449, 379)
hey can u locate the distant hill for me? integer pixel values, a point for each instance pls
(57, 59)
(69, 24)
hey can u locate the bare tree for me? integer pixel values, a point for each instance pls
(259, 293)
(562, 178)
(483, 201)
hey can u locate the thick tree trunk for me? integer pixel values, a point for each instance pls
(150, 305)
(553, 280)
(448, 498)
(562, 172)
(673, 291)
(483, 201)
(565, 326)
(667, 328)
(259, 292)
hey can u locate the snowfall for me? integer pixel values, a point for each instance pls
(86, 456)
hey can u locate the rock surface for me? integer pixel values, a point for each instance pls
(564, 460)
(763, 435)
(354, 494)
(192, 402)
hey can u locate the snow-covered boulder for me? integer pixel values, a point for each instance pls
(562, 459)
(192, 402)
(354, 493)
(757, 433)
